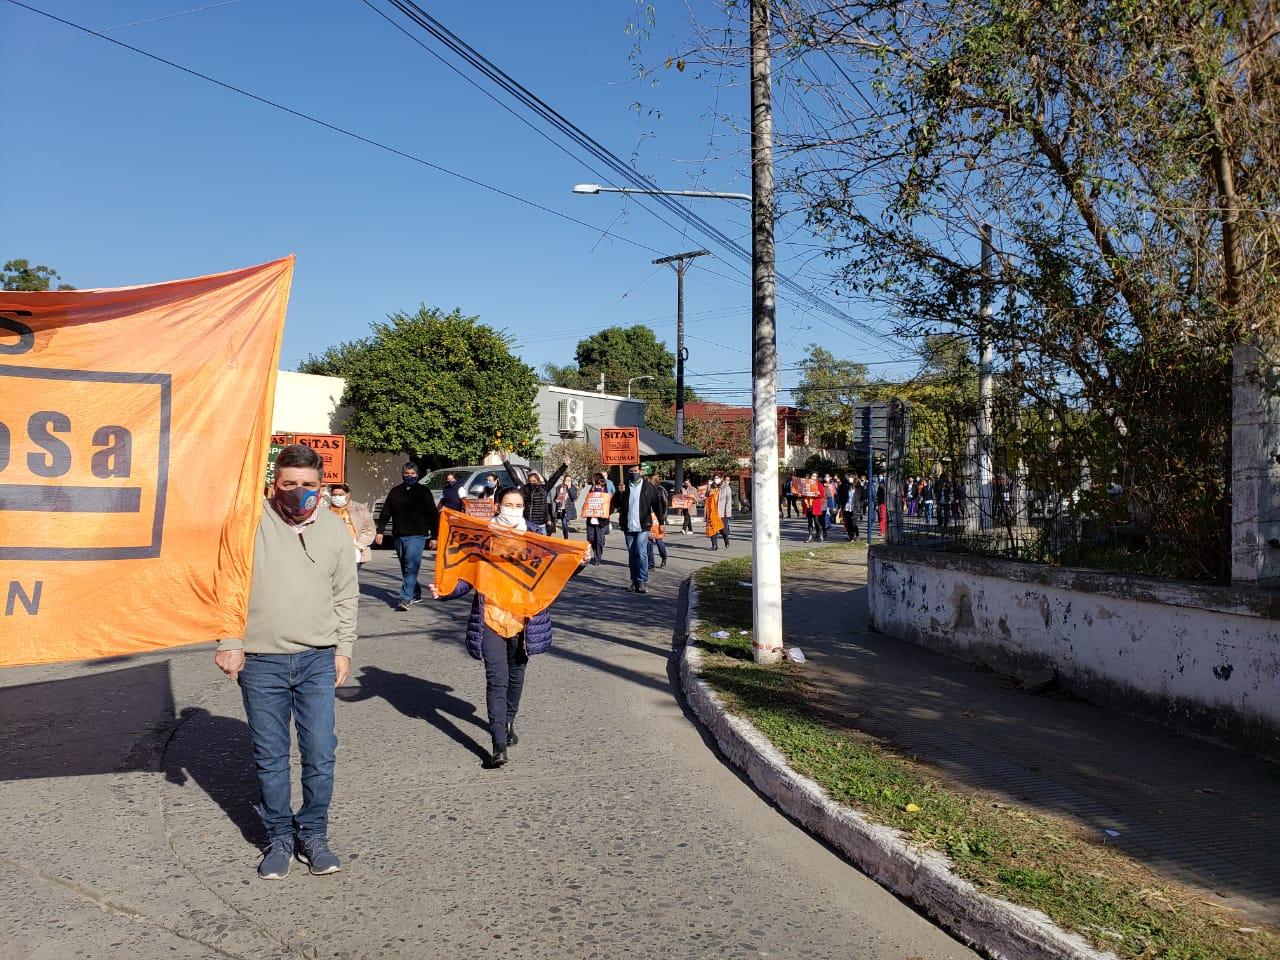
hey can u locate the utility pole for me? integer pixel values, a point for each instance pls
(766, 574)
(986, 387)
(680, 261)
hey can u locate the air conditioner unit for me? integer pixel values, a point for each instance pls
(570, 417)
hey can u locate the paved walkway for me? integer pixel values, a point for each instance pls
(1190, 810)
(616, 832)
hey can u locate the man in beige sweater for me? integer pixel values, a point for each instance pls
(295, 650)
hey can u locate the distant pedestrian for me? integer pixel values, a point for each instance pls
(537, 507)
(597, 527)
(690, 491)
(451, 495)
(411, 510)
(816, 505)
(849, 498)
(503, 641)
(658, 524)
(793, 497)
(566, 505)
(635, 503)
(718, 509)
(356, 517)
(295, 650)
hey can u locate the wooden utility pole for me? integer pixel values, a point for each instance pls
(680, 261)
(766, 574)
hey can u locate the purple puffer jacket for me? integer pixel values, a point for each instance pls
(537, 629)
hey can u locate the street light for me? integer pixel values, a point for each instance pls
(766, 533)
(591, 189)
(633, 380)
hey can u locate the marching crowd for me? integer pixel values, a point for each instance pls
(313, 538)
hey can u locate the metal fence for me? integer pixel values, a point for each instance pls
(1009, 497)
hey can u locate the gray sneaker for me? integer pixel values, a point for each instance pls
(275, 862)
(315, 853)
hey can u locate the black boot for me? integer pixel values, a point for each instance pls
(512, 738)
(496, 759)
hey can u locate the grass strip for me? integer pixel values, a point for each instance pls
(1020, 855)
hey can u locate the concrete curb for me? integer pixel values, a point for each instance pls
(996, 928)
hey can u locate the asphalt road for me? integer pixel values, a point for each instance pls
(126, 788)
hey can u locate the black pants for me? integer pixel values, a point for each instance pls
(504, 666)
(793, 504)
(687, 526)
(851, 524)
(595, 537)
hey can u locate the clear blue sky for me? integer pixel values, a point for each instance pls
(120, 170)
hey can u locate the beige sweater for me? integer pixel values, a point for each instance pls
(300, 598)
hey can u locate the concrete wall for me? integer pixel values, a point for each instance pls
(1204, 659)
(305, 403)
(598, 409)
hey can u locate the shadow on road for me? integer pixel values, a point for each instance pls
(217, 753)
(421, 700)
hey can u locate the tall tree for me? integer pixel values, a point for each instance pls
(621, 354)
(20, 275)
(442, 387)
(829, 389)
(1126, 156)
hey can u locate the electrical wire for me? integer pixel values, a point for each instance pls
(332, 126)
(576, 134)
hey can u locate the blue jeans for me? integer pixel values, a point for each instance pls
(662, 549)
(409, 551)
(275, 686)
(638, 555)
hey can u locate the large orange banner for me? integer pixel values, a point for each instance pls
(134, 428)
(522, 573)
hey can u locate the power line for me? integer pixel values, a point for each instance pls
(576, 134)
(333, 127)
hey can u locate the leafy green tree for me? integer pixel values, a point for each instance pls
(723, 439)
(20, 275)
(621, 354)
(829, 390)
(441, 387)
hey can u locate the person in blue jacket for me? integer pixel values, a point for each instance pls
(503, 641)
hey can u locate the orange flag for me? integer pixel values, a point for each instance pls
(520, 572)
(711, 509)
(134, 428)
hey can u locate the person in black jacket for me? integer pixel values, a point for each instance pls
(660, 516)
(634, 502)
(537, 510)
(411, 509)
(452, 494)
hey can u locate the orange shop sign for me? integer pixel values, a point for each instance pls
(333, 451)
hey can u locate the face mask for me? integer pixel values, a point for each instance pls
(409, 481)
(511, 517)
(339, 499)
(297, 504)
(635, 479)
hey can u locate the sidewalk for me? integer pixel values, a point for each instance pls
(1189, 810)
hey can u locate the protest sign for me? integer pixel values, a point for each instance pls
(596, 505)
(484, 509)
(619, 446)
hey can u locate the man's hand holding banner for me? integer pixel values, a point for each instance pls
(522, 573)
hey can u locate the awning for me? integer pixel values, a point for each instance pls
(653, 446)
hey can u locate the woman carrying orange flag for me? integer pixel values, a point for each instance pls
(504, 641)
